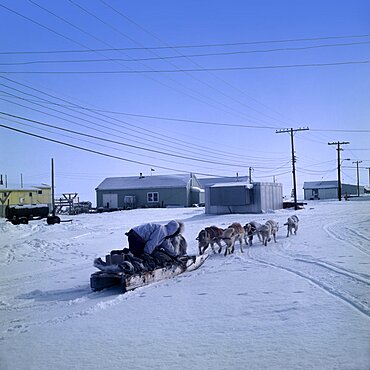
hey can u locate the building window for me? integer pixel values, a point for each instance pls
(152, 197)
(315, 194)
(39, 191)
(30, 194)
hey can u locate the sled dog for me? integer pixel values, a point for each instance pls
(208, 237)
(251, 229)
(235, 232)
(292, 224)
(268, 230)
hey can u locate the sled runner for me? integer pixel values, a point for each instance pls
(114, 272)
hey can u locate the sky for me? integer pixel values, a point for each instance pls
(109, 88)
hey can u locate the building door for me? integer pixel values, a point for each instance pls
(110, 200)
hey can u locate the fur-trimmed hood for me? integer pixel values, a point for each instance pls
(174, 227)
(181, 227)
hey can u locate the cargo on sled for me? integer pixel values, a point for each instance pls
(122, 269)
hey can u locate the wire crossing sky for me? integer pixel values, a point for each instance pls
(108, 88)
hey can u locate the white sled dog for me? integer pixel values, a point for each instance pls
(235, 232)
(270, 228)
(292, 224)
(251, 229)
(208, 237)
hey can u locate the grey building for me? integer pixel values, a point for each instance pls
(180, 190)
(243, 197)
(328, 190)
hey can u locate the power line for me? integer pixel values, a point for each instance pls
(217, 106)
(316, 65)
(203, 149)
(239, 52)
(175, 46)
(163, 118)
(95, 151)
(148, 116)
(42, 25)
(131, 114)
(115, 119)
(141, 147)
(220, 91)
(120, 143)
(316, 172)
(99, 125)
(101, 153)
(360, 167)
(106, 146)
(342, 130)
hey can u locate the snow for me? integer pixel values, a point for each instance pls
(300, 303)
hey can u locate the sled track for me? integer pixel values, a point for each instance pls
(365, 278)
(341, 284)
(356, 239)
(77, 308)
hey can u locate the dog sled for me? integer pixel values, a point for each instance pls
(115, 271)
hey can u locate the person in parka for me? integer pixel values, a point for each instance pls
(146, 238)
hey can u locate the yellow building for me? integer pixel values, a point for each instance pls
(31, 195)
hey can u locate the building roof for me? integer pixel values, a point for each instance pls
(27, 188)
(333, 184)
(233, 184)
(208, 181)
(145, 182)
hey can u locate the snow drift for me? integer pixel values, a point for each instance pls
(300, 303)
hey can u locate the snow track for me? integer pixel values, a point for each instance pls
(345, 286)
(350, 286)
(348, 235)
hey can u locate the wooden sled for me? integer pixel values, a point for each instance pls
(102, 279)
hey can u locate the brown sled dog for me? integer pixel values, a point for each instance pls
(208, 237)
(235, 232)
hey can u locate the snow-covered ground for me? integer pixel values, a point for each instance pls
(302, 303)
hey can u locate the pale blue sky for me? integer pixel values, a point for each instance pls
(234, 93)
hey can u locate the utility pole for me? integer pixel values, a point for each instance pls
(291, 131)
(368, 168)
(358, 177)
(250, 174)
(52, 188)
(338, 144)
